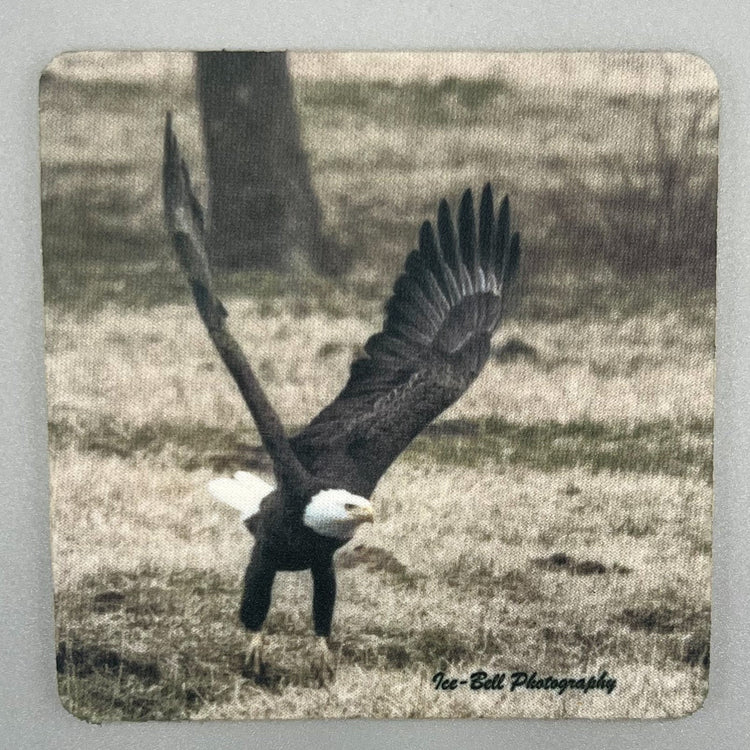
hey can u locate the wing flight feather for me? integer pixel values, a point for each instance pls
(184, 219)
(435, 340)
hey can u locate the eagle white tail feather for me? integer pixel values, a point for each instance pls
(254, 483)
(243, 493)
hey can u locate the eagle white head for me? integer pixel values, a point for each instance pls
(337, 513)
(334, 513)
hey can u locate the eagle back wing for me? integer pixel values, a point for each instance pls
(435, 340)
(184, 219)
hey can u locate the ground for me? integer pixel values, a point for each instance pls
(556, 519)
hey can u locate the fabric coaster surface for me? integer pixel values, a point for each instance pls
(475, 479)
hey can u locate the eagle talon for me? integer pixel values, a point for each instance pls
(323, 666)
(254, 664)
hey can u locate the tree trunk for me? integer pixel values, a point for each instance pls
(262, 208)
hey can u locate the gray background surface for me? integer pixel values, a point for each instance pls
(33, 33)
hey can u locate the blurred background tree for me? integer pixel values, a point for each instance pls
(263, 210)
(612, 173)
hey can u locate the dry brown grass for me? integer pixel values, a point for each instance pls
(148, 568)
(644, 367)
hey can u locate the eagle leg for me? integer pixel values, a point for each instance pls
(256, 599)
(324, 599)
(254, 664)
(323, 666)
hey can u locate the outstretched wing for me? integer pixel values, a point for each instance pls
(435, 341)
(184, 219)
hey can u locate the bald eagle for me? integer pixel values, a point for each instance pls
(435, 340)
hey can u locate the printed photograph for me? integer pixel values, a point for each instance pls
(380, 384)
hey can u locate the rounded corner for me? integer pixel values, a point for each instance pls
(699, 705)
(700, 62)
(49, 69)
(70, 710)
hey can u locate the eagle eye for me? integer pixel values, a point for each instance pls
(349, 506)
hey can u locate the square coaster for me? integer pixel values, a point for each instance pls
(380, 384)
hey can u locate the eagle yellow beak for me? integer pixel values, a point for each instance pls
(362, 514)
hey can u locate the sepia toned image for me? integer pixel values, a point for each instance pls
(380, 384)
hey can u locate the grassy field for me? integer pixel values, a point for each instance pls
(557, 518)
